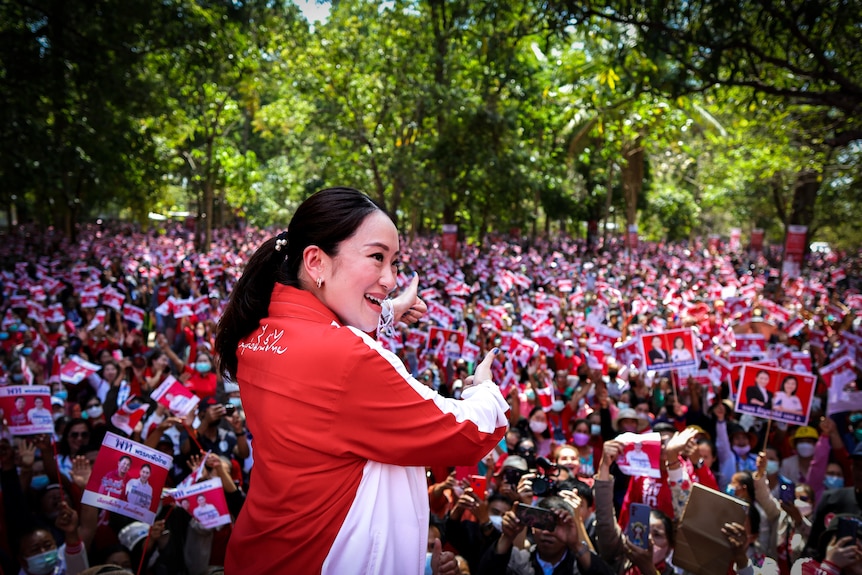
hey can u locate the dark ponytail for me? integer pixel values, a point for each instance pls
(325, 219)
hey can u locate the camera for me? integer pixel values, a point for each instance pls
(229, 409)
(512, 475)
(545, 482)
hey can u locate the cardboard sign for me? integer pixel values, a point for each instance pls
(777, 394)
(205, 502)
(127, 478)
(27, 409)
(674, 349)
(447, 341)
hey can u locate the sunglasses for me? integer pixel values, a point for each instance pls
(77, 434)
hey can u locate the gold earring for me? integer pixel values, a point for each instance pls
(319, 282)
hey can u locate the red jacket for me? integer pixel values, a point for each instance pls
(341, 436)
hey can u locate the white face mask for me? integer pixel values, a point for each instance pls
(804, 507)
(95, 411)
(538, 426)
(496, 521)
(772, 467)
(805, 449)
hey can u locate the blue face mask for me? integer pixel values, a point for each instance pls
(43, 563)
(62, 394)
(39, 482)
(235, 401)
(730, 490)
(833, 482)
(203, 366)
(13, 328)
(595, 429)
(3, 335)
(25, 351)
(622, 405)
(854, 419)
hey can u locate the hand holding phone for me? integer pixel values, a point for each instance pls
(637, 530)
(536, 517)
(787, 492)
(848, 527)
(479, 484)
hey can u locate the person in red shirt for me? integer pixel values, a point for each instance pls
(341, 431)
(114, 482)
(199, 376)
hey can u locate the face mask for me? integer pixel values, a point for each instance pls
(772, 467)
(623, 405)
(13, 328)
(538, 426)
(730, 490)
(595, 429)
(25, 351)
(804, 507)
(235, 401)
(580, 439)
(3, 336)
(62, 394)
(39, 482)
(854, 419)
(18, 377)
(94, 412)
(833, 482)
(741, 450)
(203, 366)
(496, 521)
(805, 449)
(569, 352)
(43, 563)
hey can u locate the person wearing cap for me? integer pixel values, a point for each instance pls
(805, 442)
(845, 500)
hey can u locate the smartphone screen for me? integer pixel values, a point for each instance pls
(479, 484)
(536, 517)
(638, 528)
(847, 527)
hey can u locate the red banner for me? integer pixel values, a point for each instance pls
(756, 242)
(794, 250)
(449, 243)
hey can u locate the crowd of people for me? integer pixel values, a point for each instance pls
(570, 325)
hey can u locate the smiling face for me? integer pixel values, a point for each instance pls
(362, 274)
(790, 386)
(762, 378)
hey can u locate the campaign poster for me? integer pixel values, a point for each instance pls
(774, 393)
(27, 409)
(641, 455)
(756, 241)
(125, 478)
(632, 237)
(175, 396)
(447, 341)
(205, 502)
(704, 377)
(844, 394)
(797, 361)
(673, 349)
(735, 236)
(449, 241)
(753, 342)
(77, 370)
(130, 414)
(794, 250)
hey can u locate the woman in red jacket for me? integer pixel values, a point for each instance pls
(341, 431)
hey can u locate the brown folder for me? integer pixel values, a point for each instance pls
(700, 546)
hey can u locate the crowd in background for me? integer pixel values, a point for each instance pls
(561, 313)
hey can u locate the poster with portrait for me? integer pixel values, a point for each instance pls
(175, 396)
(641, 455)
(205, 501)
(844, 394)
(127, 478)
(446, 341)
(773, 393)
(128, 415)
(751, 342)
(704, 377)
(27, 409)
(673, 349)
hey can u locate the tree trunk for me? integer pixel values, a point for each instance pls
(632, 176)
(805, 190)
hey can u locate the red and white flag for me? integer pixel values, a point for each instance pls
(77, 370)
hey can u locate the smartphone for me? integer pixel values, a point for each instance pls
(787, 491)
(848, 527)
(229, 409)
(536, 517)
(638, 528)
(479, 484)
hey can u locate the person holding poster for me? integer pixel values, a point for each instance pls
(785, 398)
(334, 415)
